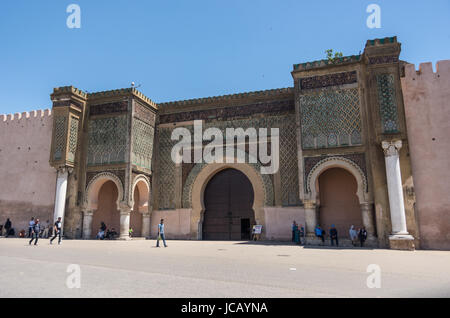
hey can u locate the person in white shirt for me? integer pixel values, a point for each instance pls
(353, 235)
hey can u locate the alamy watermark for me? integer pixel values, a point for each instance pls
(74, 19)
(374, 279)
(374, 19)
(74, 279)
(235, 146)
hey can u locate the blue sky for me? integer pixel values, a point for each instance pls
(198, 48)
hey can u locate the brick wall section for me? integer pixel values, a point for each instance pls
(427, 108)
(27, 186)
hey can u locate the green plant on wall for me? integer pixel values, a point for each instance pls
(332, 59)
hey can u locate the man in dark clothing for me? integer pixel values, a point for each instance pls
(35, 232)
(362, 235)
(294, 224)
(301, 231)
(57, 230)
(8, 226)
(334, 235)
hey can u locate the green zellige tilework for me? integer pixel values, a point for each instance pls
(388, 104)
(330, 118)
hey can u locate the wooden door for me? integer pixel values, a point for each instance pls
(228, 201)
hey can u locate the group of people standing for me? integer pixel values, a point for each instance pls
(298, 233)
(299, 237)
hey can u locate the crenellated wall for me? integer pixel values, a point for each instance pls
(427, 108)
(27, 186)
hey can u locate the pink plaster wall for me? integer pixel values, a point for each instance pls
(427, 108)
(177, 223)
(279, 222)
(27, 183)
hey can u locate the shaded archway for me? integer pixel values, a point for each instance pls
(106, 198)
(339, 203)
(140, 215)
(363, 193)
(228, 199)
(107, 209)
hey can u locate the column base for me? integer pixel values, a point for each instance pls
(124, 238)
(403, 242)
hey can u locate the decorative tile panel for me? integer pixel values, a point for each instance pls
(144, 114)
(60, 135)
(278, 107)
(383, 59)
(109, 108)
(107, 140)
(73, 139)
(388, 103)
(288, 157)
(143, 135)
(328, 80)
(330, 118)
(166, 170)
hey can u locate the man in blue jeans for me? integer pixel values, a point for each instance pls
(161, 234)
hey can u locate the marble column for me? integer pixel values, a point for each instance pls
(61, 192)
(87, 224)
(146, 224)
(395, 191)
(310, 217)
(125, 223)
(367, 218)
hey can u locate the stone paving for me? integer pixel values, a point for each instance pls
(215, 269)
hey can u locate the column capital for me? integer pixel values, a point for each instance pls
(392, 147)
(366, 205)
(309, 204)
(88, 213)
(64, 170)
(125, 211)
(124, 208)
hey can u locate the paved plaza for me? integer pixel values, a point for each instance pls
(216, 269)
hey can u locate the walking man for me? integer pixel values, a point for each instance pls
(35, 232)
(57, 230)
(30, 227)
(161, 234)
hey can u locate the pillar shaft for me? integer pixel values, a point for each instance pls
(367, 218)
(146, 225)
(125, 224)
(310, 217)
(395, 189)
(60, 196)
(87, 224)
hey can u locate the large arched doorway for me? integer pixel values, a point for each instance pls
(107, 210)
(228, 212)
(339, 204)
